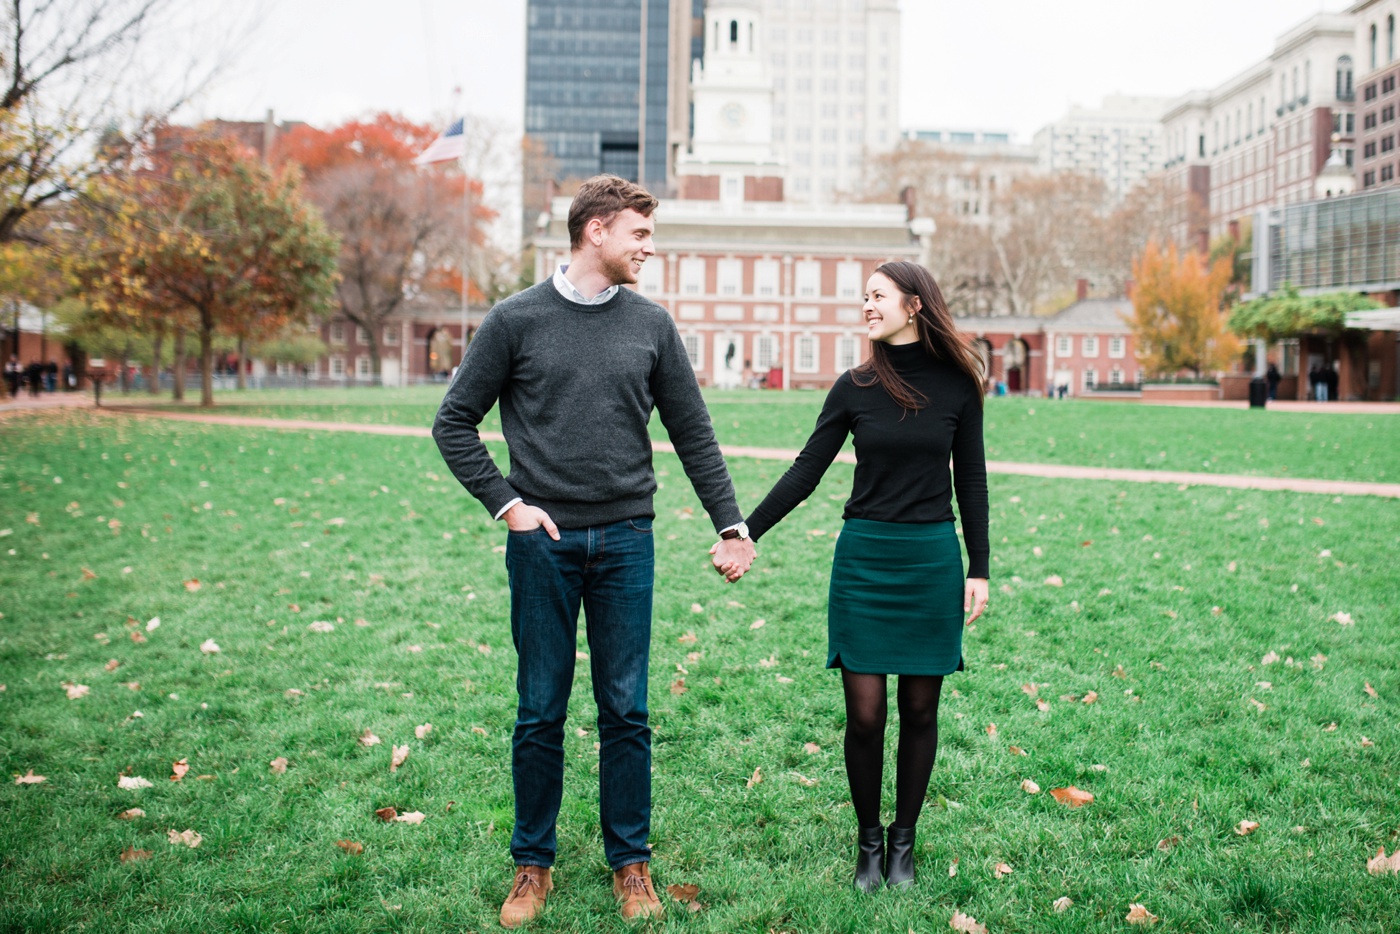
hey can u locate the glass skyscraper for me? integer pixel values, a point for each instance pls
(583, 85)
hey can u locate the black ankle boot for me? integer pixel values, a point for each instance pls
(899, 857)
(870, 858)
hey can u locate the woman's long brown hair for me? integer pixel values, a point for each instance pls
(936, 333)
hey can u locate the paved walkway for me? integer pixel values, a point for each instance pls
(1232, 481)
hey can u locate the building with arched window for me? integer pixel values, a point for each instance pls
(1378, 109)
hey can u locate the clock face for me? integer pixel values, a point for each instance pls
(733, 114)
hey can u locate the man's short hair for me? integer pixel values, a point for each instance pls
(604, 197)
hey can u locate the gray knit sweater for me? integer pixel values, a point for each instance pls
(576, 385)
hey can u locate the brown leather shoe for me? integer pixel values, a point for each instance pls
(527, 895)
(632, 885)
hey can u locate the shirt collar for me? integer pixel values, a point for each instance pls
(567, 289)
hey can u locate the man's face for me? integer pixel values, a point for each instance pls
(626, 245)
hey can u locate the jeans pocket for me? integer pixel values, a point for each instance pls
(535, 530)
(640, 525)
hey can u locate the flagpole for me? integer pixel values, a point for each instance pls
(467, 226)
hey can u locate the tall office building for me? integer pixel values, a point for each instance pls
(602, 80)
(835, 68)
(1119, 142)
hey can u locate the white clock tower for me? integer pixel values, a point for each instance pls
(731, 156)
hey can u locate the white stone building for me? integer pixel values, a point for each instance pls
(1119, 142)
(835, 69)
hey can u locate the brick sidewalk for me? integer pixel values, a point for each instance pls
(1180, 478)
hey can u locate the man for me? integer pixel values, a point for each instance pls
(577, 364)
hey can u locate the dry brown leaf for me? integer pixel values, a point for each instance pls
(189, 838)
(131, 814)
(1137, 914)
(75, 691)
(1002, 869)
(1030, 787)
(112, 665)
(1030, 689)
(1379, 865)
(1366, 742)
(1246, 827)
(351, 847)
(678, 686)
(422, 731)
(131, 854)
(1167, 843)
(1342, 619)
(1090, 698)
(400, 756)
(689, 638)
(29, 778)
(758, 624)
(683, 893)
(1074, 797)
(953, 867)
(278, 765)
(1370, 690)
(386, 814)
(1330, 728)
(367, 738)
(321, 625)
(966, 924)
(1042, 706)
(209, 647)
(1016, 750)
(192, 585)
(803, 780)
(479, 730)
(88, 575)
(179, 769)
(412, 817)
(991, 729)
(811, 749)
(1270, 658)
(133, 782)
(756, 778)
(1054, 580)
(1062, 904)
(1259, 705)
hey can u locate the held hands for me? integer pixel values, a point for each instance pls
(732, 557)
(975, 597)
(523, 518)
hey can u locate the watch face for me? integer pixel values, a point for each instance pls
(733, 115)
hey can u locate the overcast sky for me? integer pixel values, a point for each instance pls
(977, 64)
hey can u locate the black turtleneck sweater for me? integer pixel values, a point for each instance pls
(902, 458)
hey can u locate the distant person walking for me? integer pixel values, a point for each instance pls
(1272, 377)
(897, 592)
(577, 364)
(1318, 381)
(14, 374)
(1332, 380)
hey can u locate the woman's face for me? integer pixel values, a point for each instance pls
(887, 316)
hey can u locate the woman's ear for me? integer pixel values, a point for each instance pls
(916, 305)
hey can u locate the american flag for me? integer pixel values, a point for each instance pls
(452, 144)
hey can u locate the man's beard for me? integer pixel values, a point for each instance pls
(620, 271)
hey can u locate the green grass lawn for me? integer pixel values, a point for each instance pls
(1172, 607)
(1084, 433)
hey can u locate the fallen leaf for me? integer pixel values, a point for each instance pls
(75, 691)
(153, 624)
(756, 778)
(1261, 707)
(784, 679)
(367, 738)
(1166, 843)
(1090, 698)
(278, 765)
(351, 847)
(412, 817)
(179, 769)
(400, 756)
(678, 686)
(133, 782)
(1002, 869)
(1270, 658)
(1030, 689)
(131, 814)
(689, 638)
(1370, 690)
(1120, 672)
(386, 814)
(1366, 742)
(1246, 827)
(322, 625)
(1016, 750)
(683, 893)
(1074, 797)
(189, 838)
(1030, 787)
(1318, 661)
(209, 647)
(1342, 619)
(803, 780)
(479, 730)
(131, 854)
(991, 729)
(953, 867)
(422, 731)
(111, 665)
(811, 749)
(1043, 706)
(1330, 728)
(192, 585)
(29, 778)
(1137, 914)
(1379, 864)
(1061, 904)
(757, 624)
(137, 637)
(966, 923)
(1054, 580)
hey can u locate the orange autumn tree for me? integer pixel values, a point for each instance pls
(401, 226)
(1179, 318)
(205, 235)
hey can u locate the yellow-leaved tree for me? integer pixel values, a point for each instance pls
(1180, 316)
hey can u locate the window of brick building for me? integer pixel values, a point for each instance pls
(805, 351)
(694, 349)
(693, 275)
(1117, 347)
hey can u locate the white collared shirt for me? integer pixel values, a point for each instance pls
(571, 292)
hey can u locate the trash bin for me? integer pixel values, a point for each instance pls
(1258, 392)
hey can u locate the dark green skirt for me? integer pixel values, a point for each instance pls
(896, 601)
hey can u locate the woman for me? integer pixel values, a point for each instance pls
(897, 594)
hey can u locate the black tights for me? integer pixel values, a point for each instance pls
(866, 709)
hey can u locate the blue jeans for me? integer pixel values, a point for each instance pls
(610, 570)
